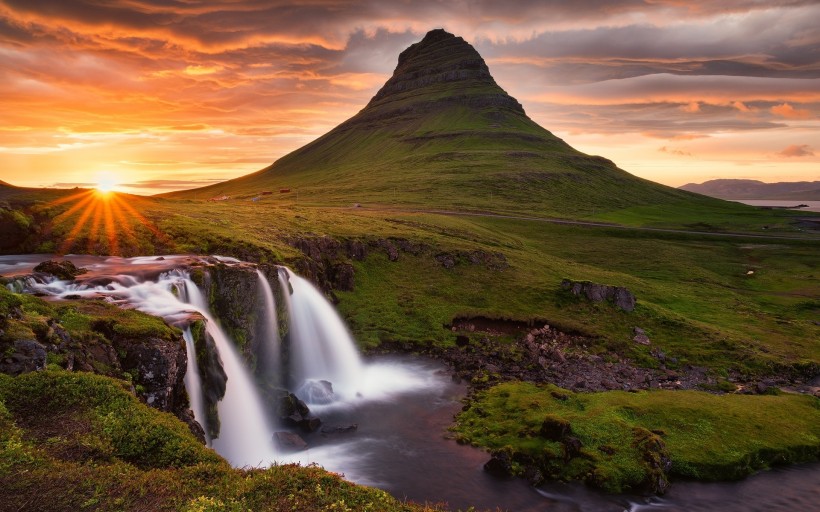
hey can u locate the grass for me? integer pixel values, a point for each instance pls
(77, 441)
(707, 437)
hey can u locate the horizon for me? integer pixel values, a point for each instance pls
(147, 99)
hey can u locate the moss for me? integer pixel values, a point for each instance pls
(627, 439)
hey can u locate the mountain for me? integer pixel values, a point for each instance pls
(753, 189)
(442, 133)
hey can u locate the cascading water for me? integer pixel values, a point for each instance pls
(321, 350)
(271, 349)
(320, 346)
(245, 431)
(193, 384)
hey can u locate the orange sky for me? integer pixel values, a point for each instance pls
(158, 95)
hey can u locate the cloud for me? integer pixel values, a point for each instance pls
(789, 112)
(797, 150)
(170, 184)
(674, 151)
(182, 80)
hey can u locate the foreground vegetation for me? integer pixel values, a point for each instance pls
(621, 441)
(78, 441)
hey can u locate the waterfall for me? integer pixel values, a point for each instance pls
(245, 431)
(321, 349)
(271, 357)
(193, 384)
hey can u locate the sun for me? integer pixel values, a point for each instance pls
(106, 182)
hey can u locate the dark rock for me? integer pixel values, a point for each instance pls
(624, 299)
(64, 270)
(595, 292)
(446, 260)
(291, 405)
(642, 339)
(606, 449)
(343, 274)
(310, 424)
(554, 428)
(462, 341)
(356, 250)
(499, 465)
(571, 446)
(160, 367)
(23, 356)
(340, 429)
(390, 249)
(289, 441)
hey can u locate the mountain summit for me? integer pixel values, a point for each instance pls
(442, 58)
(441, 133)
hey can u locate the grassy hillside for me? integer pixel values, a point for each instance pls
(442, 134)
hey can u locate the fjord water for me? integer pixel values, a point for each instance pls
(402, 405)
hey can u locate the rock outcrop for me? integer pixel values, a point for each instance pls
(595, 292)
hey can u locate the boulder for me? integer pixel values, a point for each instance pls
(499, 465)
(23, 356)
(63, 270)
(289, 442)
(620, 296)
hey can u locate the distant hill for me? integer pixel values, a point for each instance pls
(753, 189)
(441, 133)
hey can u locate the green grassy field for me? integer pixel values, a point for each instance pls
(624, 436)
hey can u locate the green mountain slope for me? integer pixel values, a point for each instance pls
(441, 133)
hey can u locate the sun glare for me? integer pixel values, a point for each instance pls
(106, 183)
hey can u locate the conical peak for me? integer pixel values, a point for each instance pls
(439, 57)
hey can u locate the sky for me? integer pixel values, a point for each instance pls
(152, 96)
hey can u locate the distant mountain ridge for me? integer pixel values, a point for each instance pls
(754, 189)
(441, 133)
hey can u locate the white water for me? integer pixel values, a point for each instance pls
(270, 332)
(245, 433)
(321, 348)
(193, 384)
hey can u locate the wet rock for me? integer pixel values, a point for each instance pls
(159, 366)
(317, 392)
(499, 465)
(344, 429)
(289, 442)
(64, 270)
(290, 405)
